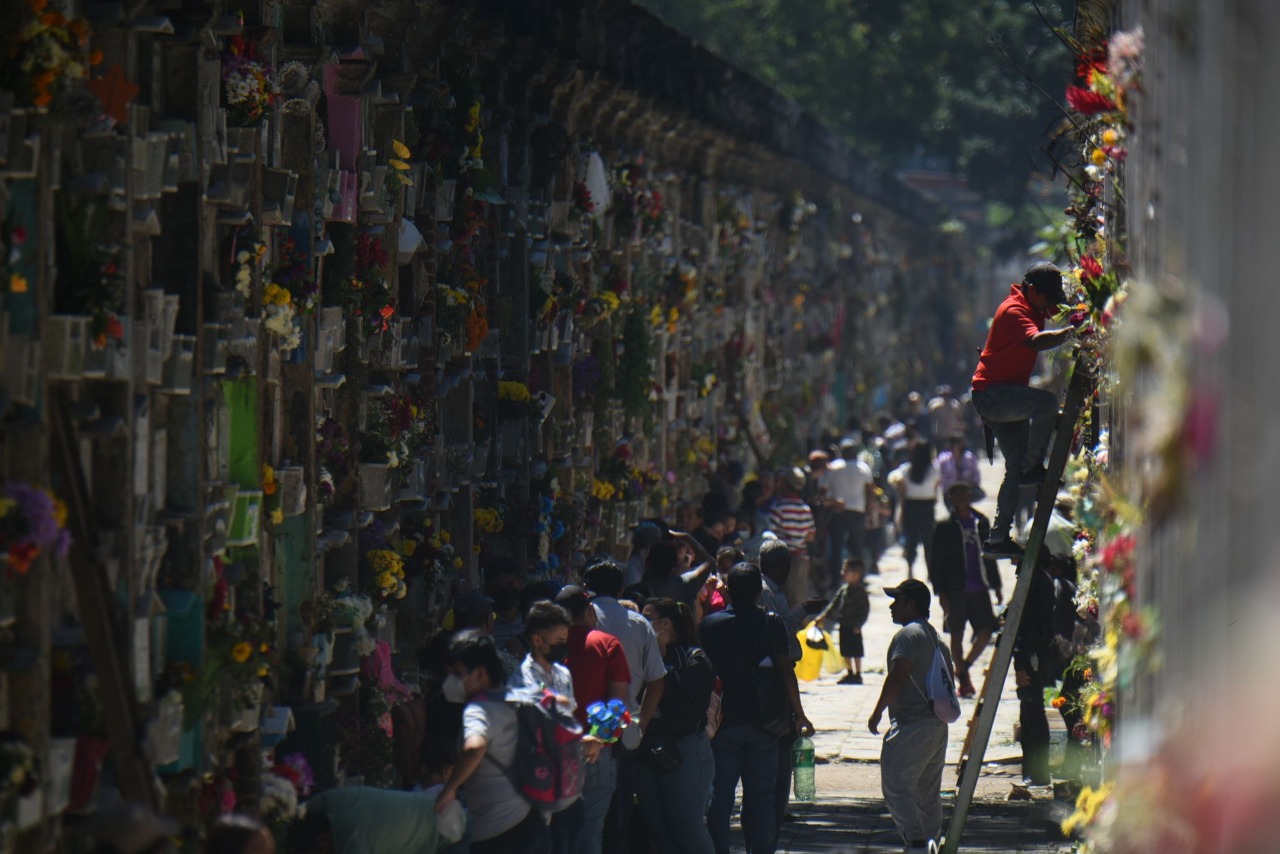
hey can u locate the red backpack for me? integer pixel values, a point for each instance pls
(547, 769)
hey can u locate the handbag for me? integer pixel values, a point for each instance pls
(660, 753)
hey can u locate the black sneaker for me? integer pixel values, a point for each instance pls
(1034, 476)
(1001, 549)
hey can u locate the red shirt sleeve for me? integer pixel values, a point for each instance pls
(1020, 324)
(616, 669)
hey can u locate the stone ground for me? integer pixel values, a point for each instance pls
(849, 814)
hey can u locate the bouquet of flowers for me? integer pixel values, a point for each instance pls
(249, 86)
(44, 47)
(31, 520)
(280, 317)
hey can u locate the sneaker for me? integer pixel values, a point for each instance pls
(966, 689)
(1034, 476)
(1001, 549)
(934, 847)
(850, 679)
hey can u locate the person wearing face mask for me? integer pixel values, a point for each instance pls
(503, 822)
(546, 629)
(676, 768)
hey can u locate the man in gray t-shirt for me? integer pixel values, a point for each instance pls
(502, 820)
(915, 747)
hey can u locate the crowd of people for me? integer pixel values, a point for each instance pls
(623, 713)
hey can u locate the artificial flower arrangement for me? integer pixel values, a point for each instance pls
(638, 210)
(44, 47)
(333, 450)
(93, 267)
(620, 479)
(368, 291)
(31, 521)
(271, 505)
(461, 313)
(438, 555)
(250, 254)
(354, 611)
(280, 316)
(387, 568)
(19, 768)
(248, 84)
(293, 273)
(515, 401)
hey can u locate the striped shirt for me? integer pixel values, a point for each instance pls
(792, 520)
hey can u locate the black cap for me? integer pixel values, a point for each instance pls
(575, 599)
(1047, 279)
(472, 605)
(915, 590)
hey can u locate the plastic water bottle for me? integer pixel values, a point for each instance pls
(803, 784)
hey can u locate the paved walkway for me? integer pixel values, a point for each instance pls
(847, 816)
(840, 712)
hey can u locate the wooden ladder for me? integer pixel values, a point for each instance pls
(980, 725)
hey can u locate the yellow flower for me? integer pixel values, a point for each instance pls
(240, 652)
(444, 537)
(18, 283)
(1098, 156)
(1110, 136)
(408, 547)
(59, 511)
(277, 516)
(386, 581)
(1087, 806)
(457, 563)
(6, 506)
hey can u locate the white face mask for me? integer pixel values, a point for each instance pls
(455, 691)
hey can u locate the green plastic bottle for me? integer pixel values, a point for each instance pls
(803, 784)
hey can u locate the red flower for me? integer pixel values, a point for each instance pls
(1132, 625)
(1089, 103)
(21, 554)
(19, 235)
(1090, 268)
(114, 328)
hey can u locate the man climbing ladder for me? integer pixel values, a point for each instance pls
(1021, 417)
(1079, 391)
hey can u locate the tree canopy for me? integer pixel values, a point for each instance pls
(945, 84)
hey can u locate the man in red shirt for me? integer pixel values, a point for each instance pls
(600, 672)
(1021, 417)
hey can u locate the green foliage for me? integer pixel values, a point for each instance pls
(942, 83)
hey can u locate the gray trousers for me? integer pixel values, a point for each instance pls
(1022, 419)
(911, 761)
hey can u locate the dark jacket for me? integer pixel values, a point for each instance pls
(1033, 649)
(689, 683)
(947, 560)
(850, 606)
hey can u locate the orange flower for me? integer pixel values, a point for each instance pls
(95, 57)
(37, 6)
(77, 28)
(53, 19)
(1059, 702)
(43, 99)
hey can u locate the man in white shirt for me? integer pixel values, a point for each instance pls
(849, 487)
(648, 674)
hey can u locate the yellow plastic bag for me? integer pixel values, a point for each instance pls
(831, 660)
(809, 667)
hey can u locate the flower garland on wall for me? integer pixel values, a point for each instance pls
(1170, 425)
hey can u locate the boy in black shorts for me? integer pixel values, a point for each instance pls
(851, 607)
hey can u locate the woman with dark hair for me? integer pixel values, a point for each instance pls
(665, 575)
(676, 768)
(917, 483)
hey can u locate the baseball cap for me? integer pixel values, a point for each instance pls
(913, 589)
(472, 605)
(1047, 279)
(574, 597)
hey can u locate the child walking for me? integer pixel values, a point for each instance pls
(850, 607)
